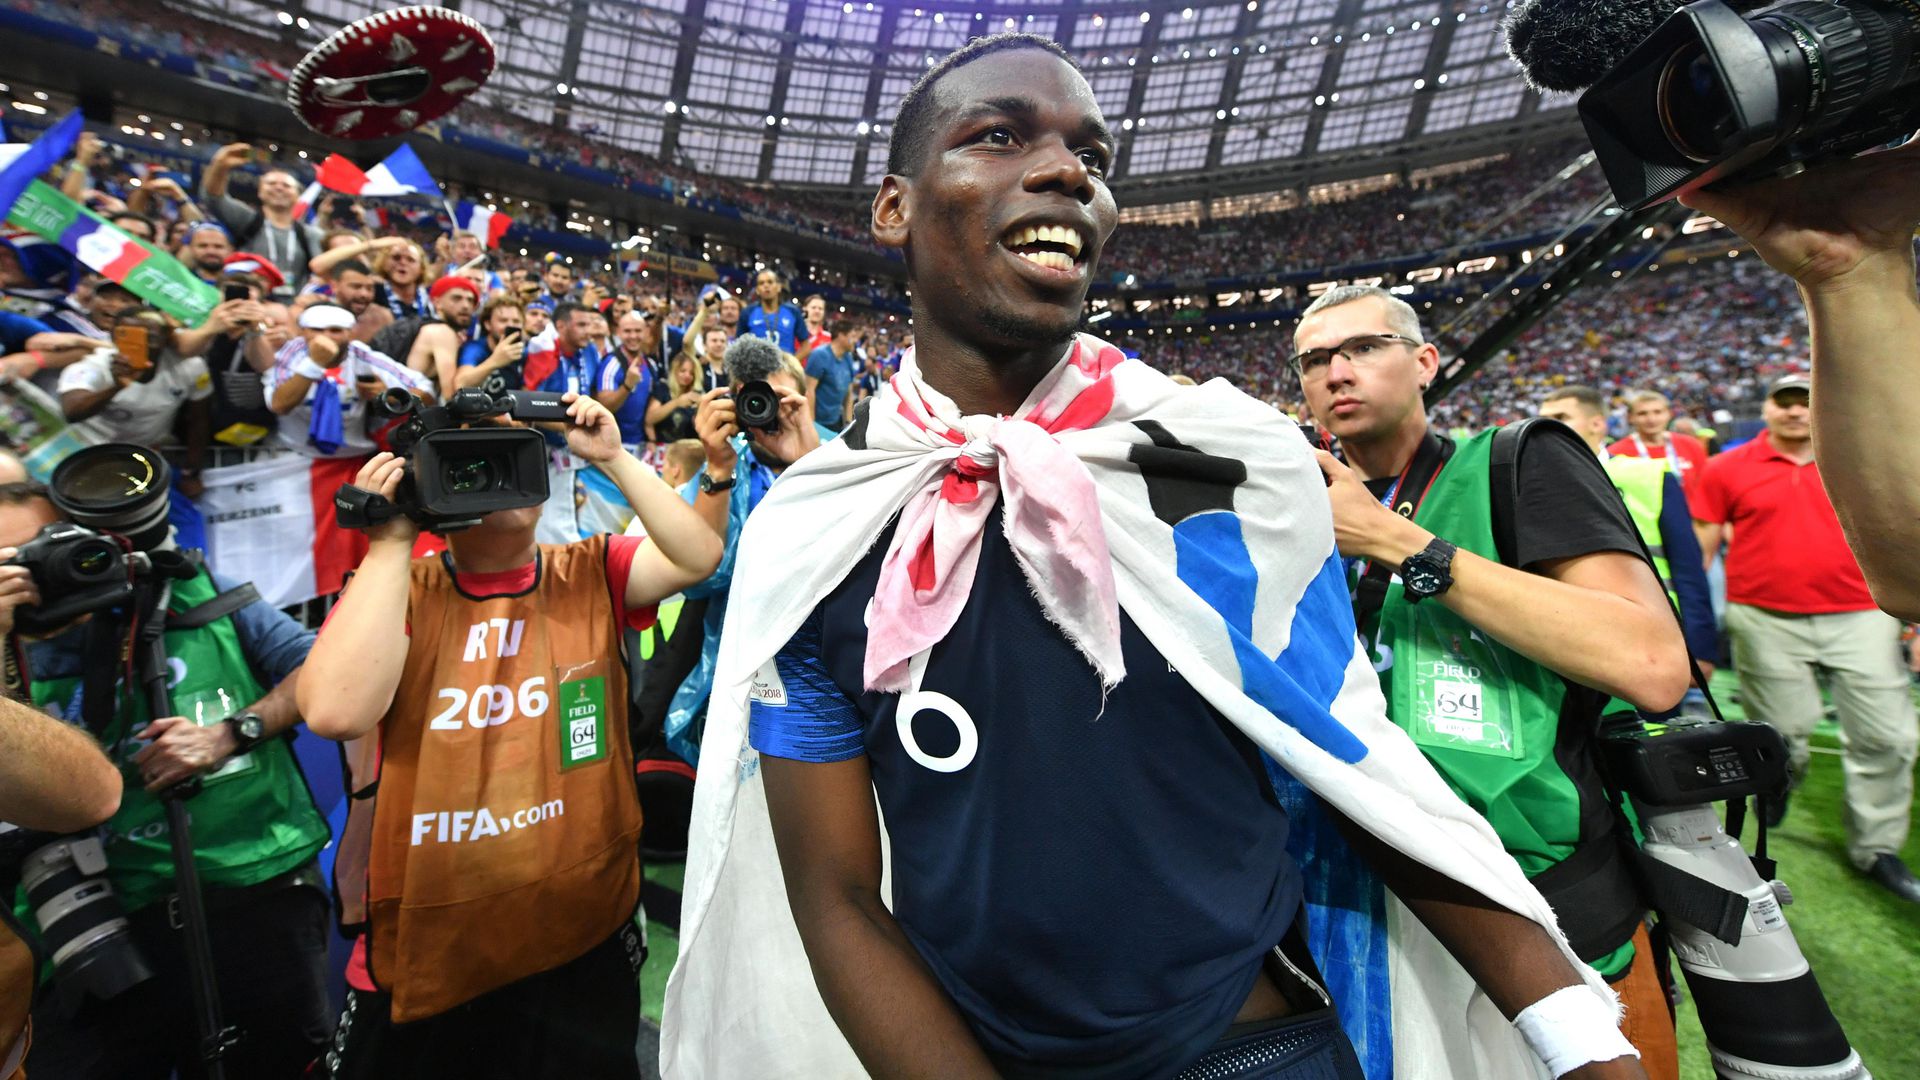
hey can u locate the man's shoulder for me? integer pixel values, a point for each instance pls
(1623, 448)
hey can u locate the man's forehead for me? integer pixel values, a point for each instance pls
(1029, 74)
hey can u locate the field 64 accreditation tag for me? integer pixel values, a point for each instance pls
(583, 721)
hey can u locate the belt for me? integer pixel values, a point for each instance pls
(219, 898)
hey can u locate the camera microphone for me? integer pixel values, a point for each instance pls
(1567, 45)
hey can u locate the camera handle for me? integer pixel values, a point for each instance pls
(152, 591)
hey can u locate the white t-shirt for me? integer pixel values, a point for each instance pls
(356, 360)
(143, 412)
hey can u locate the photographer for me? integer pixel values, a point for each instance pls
(742, 461)
(501, 869)
(1502, 671)
(256, 830)
(53, 778)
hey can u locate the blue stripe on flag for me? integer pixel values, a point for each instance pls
(44, 153)
(1299, 687)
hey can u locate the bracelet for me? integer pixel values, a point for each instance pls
(1571, 1027)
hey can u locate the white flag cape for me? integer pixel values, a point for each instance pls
(741, 1003)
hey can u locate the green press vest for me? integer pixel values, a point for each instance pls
(254, 818)
(1509, 736)
(1641, 483)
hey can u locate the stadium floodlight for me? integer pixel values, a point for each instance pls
(286, 18)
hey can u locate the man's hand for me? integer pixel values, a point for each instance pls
(1802, 227)
(235, 317)
(388, 243)
(233, 155)
(512, 348)
(592, 433)
(167, 189)
(1362, 528)
(86, 148)
(16, 589)
(797, 434)
(180, 749)
(324, 350)
(381, 474)
(716, 423)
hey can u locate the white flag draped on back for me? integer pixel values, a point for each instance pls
(1234, 580)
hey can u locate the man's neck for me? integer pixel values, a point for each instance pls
(279, 219)
(1655, 438)
(480, 551)
(1799, 450)
(982, 384)
(1389, 455)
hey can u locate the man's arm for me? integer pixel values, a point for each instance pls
(1853, 259)
(1600, 619)
(681, 549)
(180, 749)
(1710, 534)
(892, 1011)
(353, 671)
(52, 775)
(1513, 959)
(84, 391)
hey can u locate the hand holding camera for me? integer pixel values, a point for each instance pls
(381, 475)
(716, 424)
(17, 589)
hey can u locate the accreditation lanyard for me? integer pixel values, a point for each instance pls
(1370, 590)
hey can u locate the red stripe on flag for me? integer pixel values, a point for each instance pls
(338, 174)
(335, 550)
(129, 256)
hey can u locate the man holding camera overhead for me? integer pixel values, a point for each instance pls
(256, 831)
(497, 873)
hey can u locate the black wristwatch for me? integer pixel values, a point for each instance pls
(714, 487)
(1429, 571)
(248, 731)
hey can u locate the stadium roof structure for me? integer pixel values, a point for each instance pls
(1208, 96)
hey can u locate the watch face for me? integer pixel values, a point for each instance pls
(1421, 580)
(250, 727)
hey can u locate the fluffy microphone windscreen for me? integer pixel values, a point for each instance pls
(1568, 44)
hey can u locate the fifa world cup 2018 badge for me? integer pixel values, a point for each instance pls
(583, 735)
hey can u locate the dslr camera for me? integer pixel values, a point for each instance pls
(1723, 94)
(116, 496)
(461, 463)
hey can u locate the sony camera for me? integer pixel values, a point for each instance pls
(1718, 94)
(460, 467)
(116, 497)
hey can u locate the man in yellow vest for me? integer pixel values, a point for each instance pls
(1658, 505)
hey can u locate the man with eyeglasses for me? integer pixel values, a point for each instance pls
(1499, 642)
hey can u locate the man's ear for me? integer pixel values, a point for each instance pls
(890, 214)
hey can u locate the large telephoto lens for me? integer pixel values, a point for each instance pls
(118, 488)
(80, 918)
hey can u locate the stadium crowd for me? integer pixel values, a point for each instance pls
(685, 403)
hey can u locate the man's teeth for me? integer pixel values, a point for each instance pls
(1047, 234)
(1052, 260)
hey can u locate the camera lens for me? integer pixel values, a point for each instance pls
(116, 487)
(464, 476)
(758, 406)
(1694, 108)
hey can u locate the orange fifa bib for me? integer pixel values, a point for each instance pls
(505, 829)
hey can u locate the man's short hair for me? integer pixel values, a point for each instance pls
(689, 454)
(907, 146)
(565, 309)
(497, 303)
(840, 326)
(810, 298)
(1593, 401)
(1401, 318)
(1637, 398)
(466, 233)
(341, 269)
(135, 215)
(755, 359)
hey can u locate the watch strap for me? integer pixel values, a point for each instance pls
(714, 487)
(242, 742)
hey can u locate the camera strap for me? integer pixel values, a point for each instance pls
(213, 610)
(1404, 498)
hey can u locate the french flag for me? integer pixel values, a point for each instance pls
(541, 358)
(303, 207)
(489, 225)
(400, 174)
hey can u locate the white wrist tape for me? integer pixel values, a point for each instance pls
(309, 368)
(1572, 1027)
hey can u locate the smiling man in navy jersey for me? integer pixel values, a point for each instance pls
(1089, 874)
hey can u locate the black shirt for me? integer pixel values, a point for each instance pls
(1567, 506)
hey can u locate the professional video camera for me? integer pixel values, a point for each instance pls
(1714, 93)
(117, 498)
(1764, 1015)
(458, 474)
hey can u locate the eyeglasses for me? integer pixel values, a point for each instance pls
(1363, 350)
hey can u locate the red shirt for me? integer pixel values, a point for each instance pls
(1787, 552)
(1688, 455)
(820, 337)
